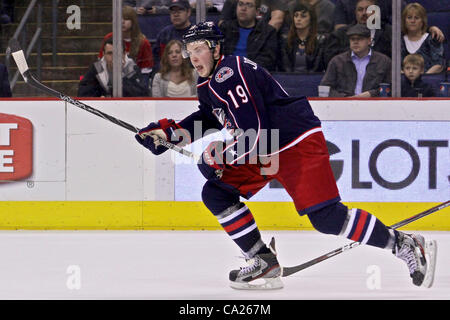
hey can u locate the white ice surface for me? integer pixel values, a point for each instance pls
(173, 265)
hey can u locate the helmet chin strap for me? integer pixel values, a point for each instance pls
(214, 67)
(215, 61)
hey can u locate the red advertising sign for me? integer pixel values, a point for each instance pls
(16, 147)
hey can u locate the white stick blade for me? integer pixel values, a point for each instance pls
(18, 55)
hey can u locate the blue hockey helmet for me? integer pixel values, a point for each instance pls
(203, 31)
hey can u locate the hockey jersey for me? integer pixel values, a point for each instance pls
(245, 99)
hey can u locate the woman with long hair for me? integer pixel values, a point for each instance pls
(176, 78)
(136, 44)
(303, 49)
(416, 39)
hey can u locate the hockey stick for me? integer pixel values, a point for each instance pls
(22, 65)
(287, 271)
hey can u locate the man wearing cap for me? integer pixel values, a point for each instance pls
(337, 41)
(180, 12)
(358, 71)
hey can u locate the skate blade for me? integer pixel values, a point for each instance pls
(259, 284)
(430, 256)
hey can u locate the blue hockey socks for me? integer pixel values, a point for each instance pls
(355, 224)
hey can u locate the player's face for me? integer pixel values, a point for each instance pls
(412, 72)
(301, 20)
(201, 57)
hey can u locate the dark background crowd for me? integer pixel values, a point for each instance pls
(340, 45)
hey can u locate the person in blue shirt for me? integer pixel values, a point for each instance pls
(180, 12)
(249, 37)
(359, 71)
(275, 136)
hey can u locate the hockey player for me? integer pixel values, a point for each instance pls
(239, 95)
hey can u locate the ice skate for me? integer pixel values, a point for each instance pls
(420, 257)
(262, 273)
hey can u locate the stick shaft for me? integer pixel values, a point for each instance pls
(287, 271)
(35, 83)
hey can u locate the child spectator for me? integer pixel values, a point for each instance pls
(412, 84)
(176, 77)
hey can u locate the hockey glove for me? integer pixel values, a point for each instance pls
(212, 162)
(149, 135)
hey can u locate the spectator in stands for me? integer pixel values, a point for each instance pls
(180, 12)
(344, 14)
(176, 78)
(249, 37)
(136, 44)
(144, 7)
(416, 40)
(359, 71)
(324, 10)
(211, 5)
(5, 89)
(98, 80)
(272, 11)
(381, 39)
(412, 83)
(303, 50)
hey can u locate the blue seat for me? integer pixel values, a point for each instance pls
(434, 79)
(299, 84)
(433, 5)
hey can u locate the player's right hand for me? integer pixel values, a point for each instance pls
(150, 135)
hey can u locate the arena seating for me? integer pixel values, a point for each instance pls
(306, 84)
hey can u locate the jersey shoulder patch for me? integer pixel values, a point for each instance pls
(223, 74)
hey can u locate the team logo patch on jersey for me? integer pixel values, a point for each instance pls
(223, 74)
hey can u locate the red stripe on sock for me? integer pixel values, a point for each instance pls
(236, 225)
(359, 228)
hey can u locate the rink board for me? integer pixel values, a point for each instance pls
(88, 173)
(180, 215)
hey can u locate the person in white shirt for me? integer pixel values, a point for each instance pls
(176, 78)
(415, 39)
